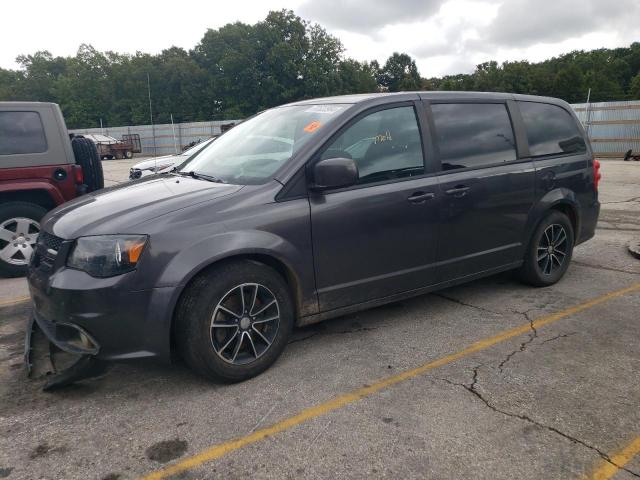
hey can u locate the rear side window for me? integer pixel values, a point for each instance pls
(472, 135)
(21, 132)
(385, 145)
(550, 129)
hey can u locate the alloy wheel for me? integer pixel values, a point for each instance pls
(18, 237)
(245, 323)
(552, 249)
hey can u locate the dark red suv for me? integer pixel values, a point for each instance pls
(41, 167)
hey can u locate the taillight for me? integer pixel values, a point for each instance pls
(78, 176)
(596, 173)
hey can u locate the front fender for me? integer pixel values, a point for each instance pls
(298, 263)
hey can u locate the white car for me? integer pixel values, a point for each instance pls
(158, 164)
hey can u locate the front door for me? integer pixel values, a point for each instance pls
(378, 237)
(487, 190)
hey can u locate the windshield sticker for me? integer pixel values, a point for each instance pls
(312, 127)
(382, 137)
(326, 109)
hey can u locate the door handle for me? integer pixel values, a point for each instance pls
(458, 191)
(421, 197)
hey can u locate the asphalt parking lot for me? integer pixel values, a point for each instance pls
(491, 380)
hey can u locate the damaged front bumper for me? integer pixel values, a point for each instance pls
(62, 353)
(68, 337)
(94, 320)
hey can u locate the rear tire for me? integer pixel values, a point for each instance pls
(19, 229)
(549, 252)
(223, 338)
(128, 154)
(87, 157)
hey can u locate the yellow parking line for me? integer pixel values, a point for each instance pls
(221, 449)
(13, 301)
(606, 470)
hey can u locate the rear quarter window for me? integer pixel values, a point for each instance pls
(551, 130)
(21, 133)
(472, 135)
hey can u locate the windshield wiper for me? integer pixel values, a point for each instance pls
(201, 176)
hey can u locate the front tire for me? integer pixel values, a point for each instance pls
(19, 230)
(234, 321)
(549, 252)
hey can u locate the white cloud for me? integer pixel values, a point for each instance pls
(366, 16)
(527, 22)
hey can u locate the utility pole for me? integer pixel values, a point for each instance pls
(588, 116)
(153, 128)
(173, 128)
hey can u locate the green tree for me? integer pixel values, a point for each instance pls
(239, 69)
(40, 70)
(10, 84)
(229, 56)
(569, 83)
(357, 77)
(400, 73)
(322, 63)
(634, 89)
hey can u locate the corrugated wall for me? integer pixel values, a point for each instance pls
(613, 127)
(165, 142)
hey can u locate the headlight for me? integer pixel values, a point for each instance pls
(107, 255)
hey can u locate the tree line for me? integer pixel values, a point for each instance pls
(240, 69)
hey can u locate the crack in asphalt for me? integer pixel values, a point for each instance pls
(296, 340)
(600, 267)
(618, 229)
(472, 388)
(460, 302)
(634, 199)
(564, 335)
(337, 332)
(533, 334)
(523, 346)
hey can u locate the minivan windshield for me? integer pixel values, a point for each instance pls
(251, 152)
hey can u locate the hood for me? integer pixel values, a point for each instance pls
(120, 209)
(165, 160)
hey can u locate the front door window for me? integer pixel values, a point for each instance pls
(385, 145)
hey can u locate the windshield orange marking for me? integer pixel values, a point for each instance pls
(312, 127)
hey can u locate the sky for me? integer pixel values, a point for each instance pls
(444, 36)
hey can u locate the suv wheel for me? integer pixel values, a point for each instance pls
(234, 321)
(19, 230)
(549, 252)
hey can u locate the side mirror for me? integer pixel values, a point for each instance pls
(334, 173)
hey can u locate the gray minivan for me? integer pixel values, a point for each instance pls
(309, 211)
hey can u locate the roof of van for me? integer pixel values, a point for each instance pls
(427, 95)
